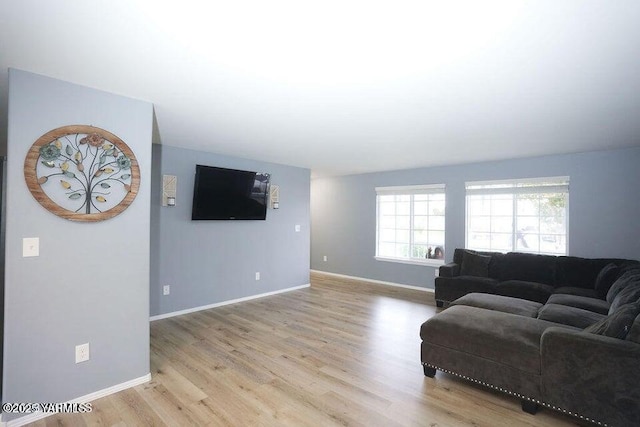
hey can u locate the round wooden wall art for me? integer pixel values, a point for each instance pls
(82, 173)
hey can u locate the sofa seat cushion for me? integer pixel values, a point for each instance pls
(452, 288)
(571, 290)
(619, 323)
(519, 306)
(506, 338)
(532, 291)
(570, 316)
(596, 305)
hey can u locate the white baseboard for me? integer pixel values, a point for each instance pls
(83, 399)
(375, 282)
(220, 304)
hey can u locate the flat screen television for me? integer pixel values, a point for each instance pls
(229, 194)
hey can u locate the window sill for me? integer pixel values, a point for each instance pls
(426, 262)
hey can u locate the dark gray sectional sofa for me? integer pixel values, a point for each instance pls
(574, 352)
(519, 275)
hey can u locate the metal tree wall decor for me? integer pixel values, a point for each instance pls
(82, 173)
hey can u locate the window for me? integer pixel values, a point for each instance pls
(518, 215)
(410, 224)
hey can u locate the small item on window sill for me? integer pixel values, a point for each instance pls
(429, 253)
(438, 253)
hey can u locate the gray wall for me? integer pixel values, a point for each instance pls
(207, 262)
(604, 207)
(91, 280)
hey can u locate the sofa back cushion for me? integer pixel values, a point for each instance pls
(527, 267)
(581, 272)
(617, 324)
(551, 270)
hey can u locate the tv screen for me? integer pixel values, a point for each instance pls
(228, 194)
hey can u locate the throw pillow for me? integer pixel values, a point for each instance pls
(630, 293)
(618, 324)
(634, 333)
(474, 264)
(622, 282)
(605, 279)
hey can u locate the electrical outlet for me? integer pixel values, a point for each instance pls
(324, 258)
(166, 289)
(257, 275)
(437, 272)
(82, 353)
(297, 228)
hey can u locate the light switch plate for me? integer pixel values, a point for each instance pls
(30, 246)
(297, 228)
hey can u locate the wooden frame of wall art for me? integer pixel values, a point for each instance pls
(82, 173)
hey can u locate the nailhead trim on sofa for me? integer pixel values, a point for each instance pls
(515, 394)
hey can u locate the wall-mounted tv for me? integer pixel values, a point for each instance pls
(229, 194)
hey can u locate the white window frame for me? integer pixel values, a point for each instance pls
(409, 190)
(557, 184)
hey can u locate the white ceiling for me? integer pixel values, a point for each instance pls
(346, 87)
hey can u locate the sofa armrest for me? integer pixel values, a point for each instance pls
(591, 375)
(449, 270)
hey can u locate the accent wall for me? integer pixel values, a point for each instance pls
(90, 283)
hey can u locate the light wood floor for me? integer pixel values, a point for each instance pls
(341, 353)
